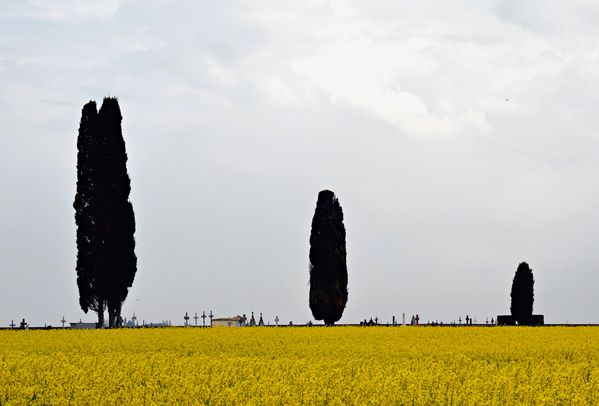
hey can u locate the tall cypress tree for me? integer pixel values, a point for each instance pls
(522, 294)
(328, 268)
(87, 241)
(120, 262)
(108, 264)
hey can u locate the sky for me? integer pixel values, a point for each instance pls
(461, 139)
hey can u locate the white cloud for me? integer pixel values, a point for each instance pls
(62, 10)
(368, 76)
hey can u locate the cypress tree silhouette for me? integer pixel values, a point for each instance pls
(84, 204)
(328, 268)
(522, 294)
(106, 261)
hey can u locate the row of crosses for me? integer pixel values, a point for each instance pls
(196, 317)
(186, 318)
(22, 325)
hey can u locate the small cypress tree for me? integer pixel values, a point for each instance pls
(522, 294)
(328, 268)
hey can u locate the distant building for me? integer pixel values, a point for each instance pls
(237, 321)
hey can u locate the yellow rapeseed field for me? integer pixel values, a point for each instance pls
(339, 365)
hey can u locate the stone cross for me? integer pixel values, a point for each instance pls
(196, 319)
(211, 317)
(63, 321)
(186, 319)
(277, 320)
(203, 318)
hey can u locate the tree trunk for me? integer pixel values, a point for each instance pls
(110, 317)
(100, 316)
(118, 320)
(114, 315)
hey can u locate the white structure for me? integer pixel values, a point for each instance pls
(236, 321)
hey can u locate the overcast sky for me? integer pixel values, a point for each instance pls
(461, 138)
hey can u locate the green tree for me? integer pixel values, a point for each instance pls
(106, 261)
(328, 268)
(522, 294)
(87, 253)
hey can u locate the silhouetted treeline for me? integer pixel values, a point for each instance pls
(106, 261)
(328, 269)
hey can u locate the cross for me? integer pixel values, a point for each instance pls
(186, 319)
(196, 319)
(134, 319)
(63, 321)
(277, 320)
(12, 324)
(203, 318)
(211, 317)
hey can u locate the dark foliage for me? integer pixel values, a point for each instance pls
(84, 218)
(106, 261)
(522, 294)
(328, 268)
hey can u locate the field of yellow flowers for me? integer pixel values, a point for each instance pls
(317, 365)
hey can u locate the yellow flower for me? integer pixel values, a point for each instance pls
(332, 366)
